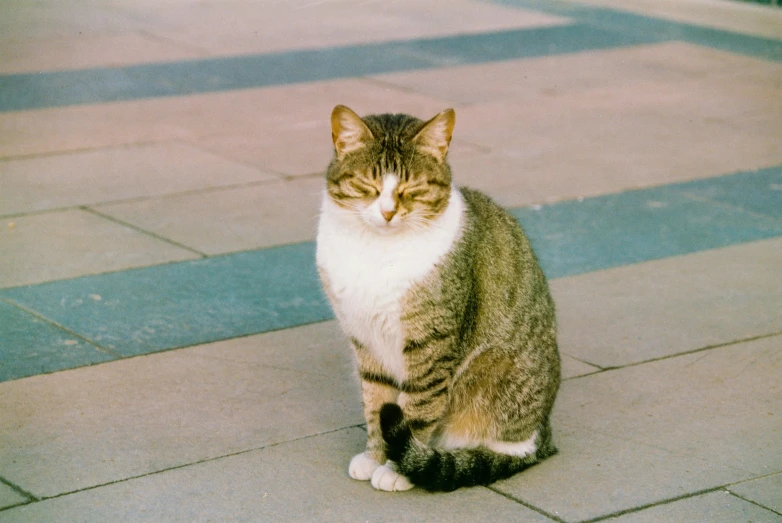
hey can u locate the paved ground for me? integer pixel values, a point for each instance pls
(166, 354)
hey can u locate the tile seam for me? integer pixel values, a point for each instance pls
(31, 498)
(778, 513)
(143, 231)
(59, 326)
(139, 199)
(523, 503)
(658, 503)
(772, 220)
(194, 463)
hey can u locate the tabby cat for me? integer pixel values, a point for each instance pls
(445, 306)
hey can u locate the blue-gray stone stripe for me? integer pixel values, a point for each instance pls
(68, 323)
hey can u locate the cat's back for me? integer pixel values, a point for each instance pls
(497, 238)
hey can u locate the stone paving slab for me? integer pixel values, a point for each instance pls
(246, 112)
(228, 220)
(41, 247)
(234, 27)
(28, 54)
(641, 312)
(95, 425)
(738, 17)
(303, 480)
(119, 173)
(718, 405)
(31, 345)
(766, 491)
(309, 346)
(714, 507)
(523, 80)
(654, 432)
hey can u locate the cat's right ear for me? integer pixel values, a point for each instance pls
(348, 131)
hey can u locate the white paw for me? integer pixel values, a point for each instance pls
(362, 466)
(386, 478)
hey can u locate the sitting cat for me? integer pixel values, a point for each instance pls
(445, 305)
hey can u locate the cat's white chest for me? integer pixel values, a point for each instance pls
(369, 274)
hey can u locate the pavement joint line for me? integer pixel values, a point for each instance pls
(729, 206)
(138, 199)
(753, 502)
(177, 467)
(195, 144)
(186, 46)
(658, 503)
(88, 149)
(143, 231)
(496, 490)
(19, 490)
(36, 314)
(685, 353)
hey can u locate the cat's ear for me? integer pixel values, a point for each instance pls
(348, 131)
(435, 136)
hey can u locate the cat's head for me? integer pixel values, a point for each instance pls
(389, 171)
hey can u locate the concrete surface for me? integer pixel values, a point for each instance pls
(166, 353)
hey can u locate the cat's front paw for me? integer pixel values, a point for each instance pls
(362, 466)
(386, 478)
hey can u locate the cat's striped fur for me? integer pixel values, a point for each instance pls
(445, 305)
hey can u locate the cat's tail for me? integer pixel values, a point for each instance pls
(448, 469)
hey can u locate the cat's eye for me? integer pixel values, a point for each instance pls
(411, 192)
(368, 191)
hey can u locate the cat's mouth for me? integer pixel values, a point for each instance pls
(385, 227)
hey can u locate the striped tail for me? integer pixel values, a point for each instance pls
(446, 470)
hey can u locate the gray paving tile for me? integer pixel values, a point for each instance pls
(763, 491)
(566, 132)
(220, 221)
(9, 497)
(305, 149)
(26, 54)
(717, 405)
(596, 474)
(585, 235)
(714, 507)
(234, 29)
(119, 173)
(198, 116)
(648, 433)
(740, 17)
(639, 312)
(77, 429)
(311, 339)
(519, 81)
(66, 244)
(30, 346)
(183, 304)
(304, 480)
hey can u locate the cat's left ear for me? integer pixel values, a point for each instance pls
(435, 136)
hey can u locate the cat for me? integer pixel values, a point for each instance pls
(445, 305)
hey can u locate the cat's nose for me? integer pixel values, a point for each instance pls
(388, 214)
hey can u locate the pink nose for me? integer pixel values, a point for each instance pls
(388, 214)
